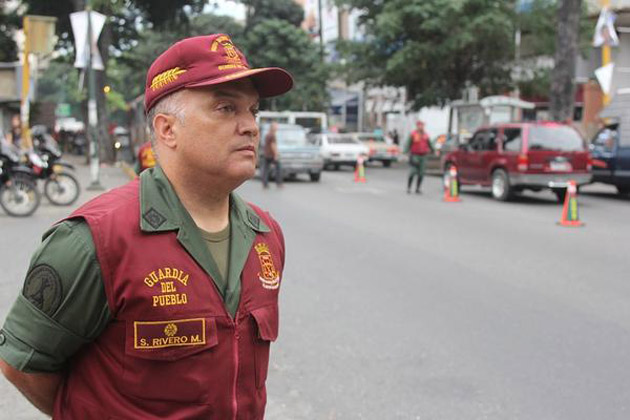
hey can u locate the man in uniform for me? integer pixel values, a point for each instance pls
(418, 147)
(271, 157)
(145, 158)
(159, 299)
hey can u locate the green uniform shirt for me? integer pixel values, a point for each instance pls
(63, 303)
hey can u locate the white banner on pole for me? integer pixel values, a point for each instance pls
(604, 76)
(605, 34)
(79, 21)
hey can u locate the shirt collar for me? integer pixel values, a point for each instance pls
(161, 210)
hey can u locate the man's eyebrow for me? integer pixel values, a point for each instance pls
(230, 94)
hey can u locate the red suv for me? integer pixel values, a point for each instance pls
(513, 157)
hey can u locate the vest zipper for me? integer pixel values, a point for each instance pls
(236, 362)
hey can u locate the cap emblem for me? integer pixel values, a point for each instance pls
(166, 77)
(231, 53)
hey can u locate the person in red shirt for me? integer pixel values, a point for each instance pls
(146, 157)
(418, 147)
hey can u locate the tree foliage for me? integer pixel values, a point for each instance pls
(125, 16)
(261, 10)
(278, 43)
(434, 48)
(8, 22)
(129, 73)
(539, 24)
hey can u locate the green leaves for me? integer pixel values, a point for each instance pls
(434, 48)
(275, 42)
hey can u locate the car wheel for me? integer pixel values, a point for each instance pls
(315, 176)
(387, 163)
(501, 189)
(623, 190)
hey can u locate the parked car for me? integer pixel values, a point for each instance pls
(297, 155)
(442, 146)
(611, 159)
(517, 156)
(378, 149)
(338, 149)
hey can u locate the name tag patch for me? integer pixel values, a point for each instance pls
(161, 334)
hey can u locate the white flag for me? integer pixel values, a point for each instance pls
(605, 33)
(79, 21)
(604, 77)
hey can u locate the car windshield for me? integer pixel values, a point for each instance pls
(341, 140)
(291, 136)
(372, 137)
(557, 138)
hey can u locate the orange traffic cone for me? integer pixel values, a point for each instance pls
(359, 171)
(570, 214)
(451, 186)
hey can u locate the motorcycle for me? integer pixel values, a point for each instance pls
(19, 196)
(61, 188)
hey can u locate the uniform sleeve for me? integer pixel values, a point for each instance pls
(62, 305)
(407, 146)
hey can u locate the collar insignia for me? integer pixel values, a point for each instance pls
(154, 218)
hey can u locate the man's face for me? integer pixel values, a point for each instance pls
(420, 127)
(218, 136)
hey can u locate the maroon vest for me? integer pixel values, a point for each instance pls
(171, 350)
(419, 144)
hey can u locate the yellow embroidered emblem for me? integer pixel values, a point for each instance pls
(268, 275)
(168, 279)
(166, 77)
(231, 53)
(170, 330)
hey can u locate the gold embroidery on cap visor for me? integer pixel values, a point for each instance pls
(268, 275)
(166, 77)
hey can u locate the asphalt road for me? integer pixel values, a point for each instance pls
(399, 306)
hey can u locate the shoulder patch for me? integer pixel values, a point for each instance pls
(154, 218)
(253, 219)
(42, 288)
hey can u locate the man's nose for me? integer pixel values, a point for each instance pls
(248, 126)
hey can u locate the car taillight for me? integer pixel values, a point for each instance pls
(393, 150)
(372, 151)
(522, 162)
(589, 162)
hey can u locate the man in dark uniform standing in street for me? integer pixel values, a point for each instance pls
(159, 299)
(418, 147)
(271, 156)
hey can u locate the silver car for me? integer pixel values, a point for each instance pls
(297, 155)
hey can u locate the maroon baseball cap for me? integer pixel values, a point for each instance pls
(205, 61)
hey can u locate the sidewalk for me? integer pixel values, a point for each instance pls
(110, 176)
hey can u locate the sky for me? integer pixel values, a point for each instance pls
(227, 7)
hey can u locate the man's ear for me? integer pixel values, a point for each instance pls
(164, 127)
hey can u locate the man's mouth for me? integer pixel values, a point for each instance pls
(248, 148)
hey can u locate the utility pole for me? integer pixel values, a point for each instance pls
(92, 110)
(39, 38)
(606, 52)
(26, 80)
(321, 30)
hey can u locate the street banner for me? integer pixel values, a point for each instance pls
(79, 21)
(605, 34)
(41, 34)
(604, 76)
